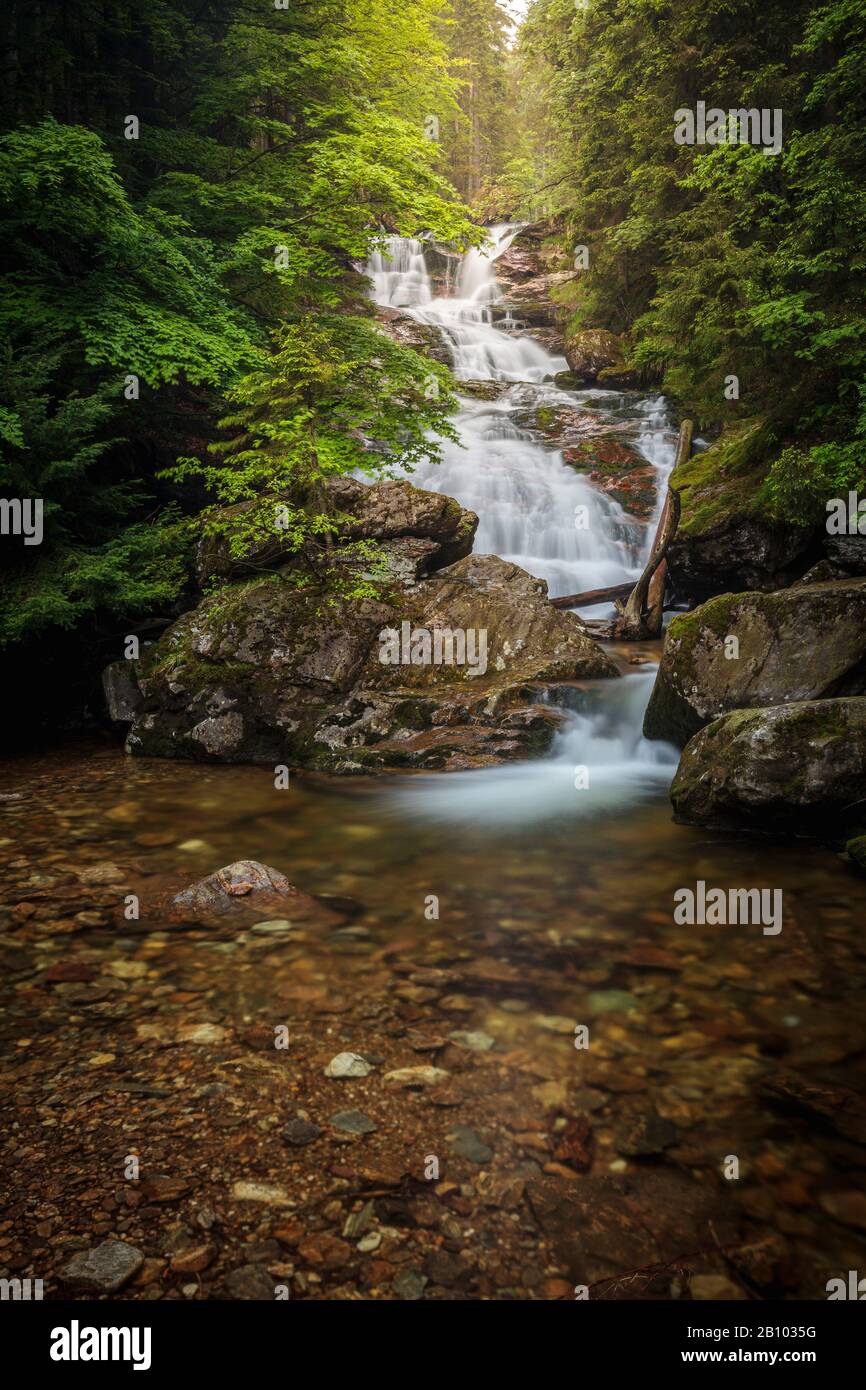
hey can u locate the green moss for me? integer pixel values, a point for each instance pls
(725, 480)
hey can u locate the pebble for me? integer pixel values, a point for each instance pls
(299, 1132)
(204, 1033)
(269, 1193)
(467, 1144)
(352, 1122)
(415, 1076)
(347, 1064)
(410, 1284)
(555, 1023)
(105, 1268)
(370, 1242)
(476, 1042)
(277, 927)
(250, 1282)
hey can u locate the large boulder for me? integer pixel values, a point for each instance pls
(589, 350)
(793, 766)
(263, 672)
(803, 643)
(393, 513)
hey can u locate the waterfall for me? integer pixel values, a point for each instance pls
(537, 511)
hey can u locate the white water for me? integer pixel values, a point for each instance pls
(538, 512)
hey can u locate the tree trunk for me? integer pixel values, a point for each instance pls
(642, 614)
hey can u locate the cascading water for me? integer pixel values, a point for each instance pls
(541, 514)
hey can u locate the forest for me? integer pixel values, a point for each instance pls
(433, 629)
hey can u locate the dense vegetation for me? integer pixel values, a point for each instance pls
(187, 194)
(715, 261)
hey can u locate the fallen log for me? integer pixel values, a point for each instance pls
(641, 616)
(594, 596)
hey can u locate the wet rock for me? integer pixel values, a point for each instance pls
(402, 328)
(122, 694)
(410, 1284)
(804, 643)
(312, 689)
(300, 1132)
(415, 1077)
(833, 1106)
(325, 1251)
(589, 350)
(604, 1227)
(239, 880)
(646, 1134)
(104, 1269)
(531, 301)
(269, 1194)
(347, 1064)
(465, 1143)
(474, 1041)
(250, 1283)
(193, 1260)
(798, 766)
(352, 1122)
(849, 1208)
(442, 1268)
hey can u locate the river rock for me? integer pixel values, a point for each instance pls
(261, 672)
(803, 643)
(248, 883)
(104, 1269)
(347, 1064)
(791, 766)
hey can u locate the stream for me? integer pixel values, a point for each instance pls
(478, 919)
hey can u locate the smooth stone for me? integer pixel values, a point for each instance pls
(267, 1192)
(347, 1064)
(469, 1145)
(415, 1076)
(611, 1001)
(555, 1023)
(476, 1042)
(352, 1122)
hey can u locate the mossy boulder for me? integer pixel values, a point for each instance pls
(744, 651)
(792, 767)
(424, 530)
(589, 351)
(261, 672)
(726, 540)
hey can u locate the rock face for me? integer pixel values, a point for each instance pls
(422, 531)
(802, 643)
(797, 765)
(122, 695)
(261, 672)
(533, 301)
(253, 886)
(408, 332)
